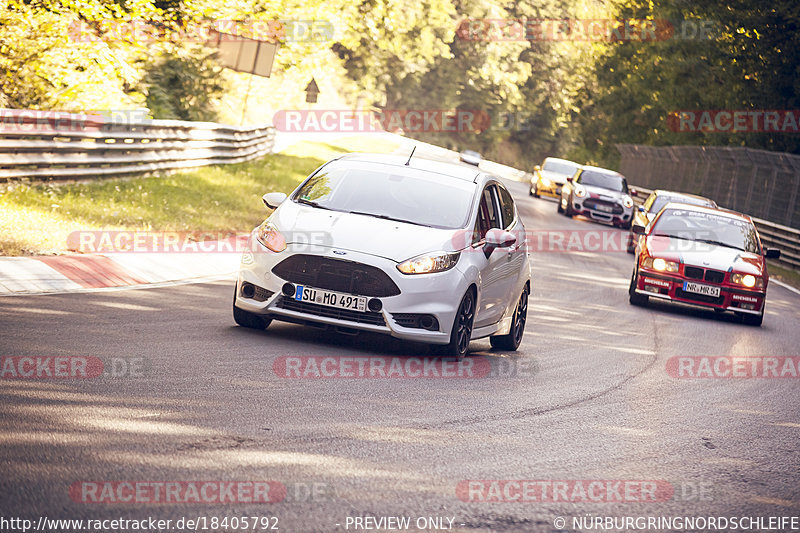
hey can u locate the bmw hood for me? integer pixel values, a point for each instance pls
(322, 229)
(705, 255)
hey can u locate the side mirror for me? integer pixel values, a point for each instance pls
(537, 168)
(638, 229)
(569, 179)
(497, 238)
(772, 253)
(273, 199)
(634, 192)
(641, 209)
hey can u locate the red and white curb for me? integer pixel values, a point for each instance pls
(87, 272)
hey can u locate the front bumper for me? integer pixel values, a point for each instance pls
(670, 287)
(432, 294)
(601, 211)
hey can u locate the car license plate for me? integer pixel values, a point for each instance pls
(706, 290)
(330, 298)
(605, 208)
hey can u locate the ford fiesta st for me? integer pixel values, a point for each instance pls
(599, 194)
(702, 256)
(421, 250)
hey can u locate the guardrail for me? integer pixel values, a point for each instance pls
(57, 145)
(772, 235)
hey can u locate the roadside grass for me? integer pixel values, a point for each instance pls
(37, 218)
(788, 276)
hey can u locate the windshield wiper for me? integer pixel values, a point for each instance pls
(387, 217)
(718, 243)
(312, 204)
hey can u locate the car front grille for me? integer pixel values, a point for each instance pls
(616, 209)
(336, 275)
(375, 319)
(712, 276)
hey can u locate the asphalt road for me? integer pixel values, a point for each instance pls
(587, 397)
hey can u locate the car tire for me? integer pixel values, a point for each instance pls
(461, 332)
(634, 298)
(752, 320)
(568, 212)
(247, 319)
(631, 247)
(535, 192)
(513, 339)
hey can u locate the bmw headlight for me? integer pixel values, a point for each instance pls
(580, 191)
(748, 280)
(662, 265)
(627, 201)
(269, 236)
(429, 263)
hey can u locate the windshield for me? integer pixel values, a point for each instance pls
(391, 192)
(560, 167)
(662, 200)
(613, 182)
(708, 228)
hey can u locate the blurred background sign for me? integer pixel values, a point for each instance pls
(244, 54)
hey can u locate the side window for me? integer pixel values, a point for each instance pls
(506, 207)
(487, 213)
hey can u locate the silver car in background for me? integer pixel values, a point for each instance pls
(421, 250)
(599, 194)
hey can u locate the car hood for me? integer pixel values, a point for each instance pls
(604, 194)
(555, 177)
(396, 241)
(705, 255)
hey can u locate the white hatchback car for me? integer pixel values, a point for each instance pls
(421, 250)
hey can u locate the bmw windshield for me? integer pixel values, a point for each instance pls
(390, 192)
(709, 228)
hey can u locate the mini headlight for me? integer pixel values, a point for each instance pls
(269, 236)
(429, 263)
(580, 192)
(627, 201)
(748, 280)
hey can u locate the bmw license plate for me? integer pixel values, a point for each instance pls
(330, 298)
(706, 290)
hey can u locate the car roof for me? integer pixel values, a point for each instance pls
(445, 168)
(601, 170)
(560, 160)
(665, 192)
(710, 210)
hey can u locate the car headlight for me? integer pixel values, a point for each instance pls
(269, 236)
(546, 182)
(580, 192)
(748, 280)
(627, 201)
(662, 265)
(429, 263)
